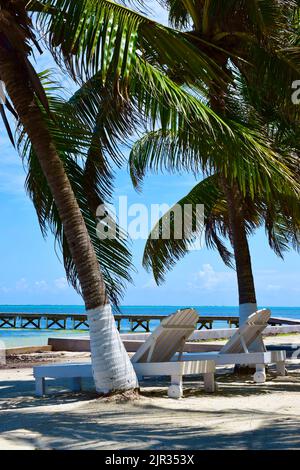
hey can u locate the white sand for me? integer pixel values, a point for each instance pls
(240, 415)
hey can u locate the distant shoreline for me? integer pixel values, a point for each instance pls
(23, 337)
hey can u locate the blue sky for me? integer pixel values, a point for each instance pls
(31, 271)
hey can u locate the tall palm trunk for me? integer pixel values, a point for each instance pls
(238, 236)
(112, 368)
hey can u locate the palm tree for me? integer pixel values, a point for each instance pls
(248, 40)
(280, 216)
(106, 46)
(223, 42)
(111, 371)
(273, 206)
(93, 52)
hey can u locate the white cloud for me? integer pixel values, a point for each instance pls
(272, 280)
(41, 285)
(61, 283)
(210, 279)
(22, 285)
(4, 289)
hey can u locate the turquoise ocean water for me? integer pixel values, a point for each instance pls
(18, 337)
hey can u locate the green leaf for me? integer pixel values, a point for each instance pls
(162, 253)
(93, 36)
(86, 167)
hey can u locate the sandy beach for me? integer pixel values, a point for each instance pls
(241, 415)
(149, 200)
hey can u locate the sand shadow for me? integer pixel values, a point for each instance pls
(108, 430)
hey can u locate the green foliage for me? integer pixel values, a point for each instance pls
(257, 43)
(93, 36)
(161, 254)
(178, 84)
(91, 180)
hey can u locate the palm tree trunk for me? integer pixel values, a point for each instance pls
(239, 241)
(112, 368)
(238, 235)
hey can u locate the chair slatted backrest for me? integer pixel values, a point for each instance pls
(247, 333)
(168, 338)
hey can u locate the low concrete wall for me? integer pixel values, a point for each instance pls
(228, 332)
(133, 346)
(27, 350)
(132, 341)
(280, 330)
(83, 345)
(70, 344)
(222, 333)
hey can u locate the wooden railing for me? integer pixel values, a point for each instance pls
(63, 321)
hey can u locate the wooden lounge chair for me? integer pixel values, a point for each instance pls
(236, 350)
(154, 358)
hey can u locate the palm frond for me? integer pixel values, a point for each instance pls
(183, 226)
(73, 144)
(282, 223)
(16, 39)
(100, 35)
(246, 158)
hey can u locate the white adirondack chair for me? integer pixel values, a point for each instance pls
(236, 350)
(155, 357)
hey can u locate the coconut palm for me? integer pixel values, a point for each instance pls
(276, 209)
(106, 46)
(253, 42)
(280, 216)
(34, 113)
(243, 33)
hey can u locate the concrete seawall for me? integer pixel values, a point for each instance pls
(222, 333)
(133, 340)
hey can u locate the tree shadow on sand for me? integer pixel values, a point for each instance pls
(136, 429)
(147, 422)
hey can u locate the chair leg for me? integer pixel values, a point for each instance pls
(280, 367)
(260, 374)
(40, 386)
(76, 384)
(209, 382)
(175, 390)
